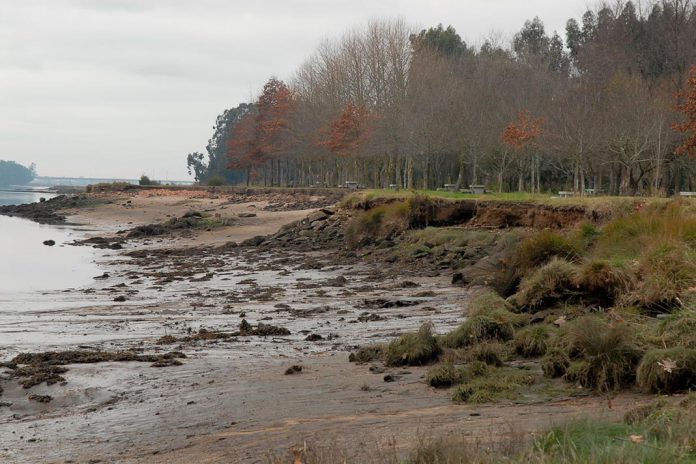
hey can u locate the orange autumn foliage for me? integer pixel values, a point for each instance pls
(348, 131)
(521, 133)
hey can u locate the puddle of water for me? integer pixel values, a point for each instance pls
(28, 266)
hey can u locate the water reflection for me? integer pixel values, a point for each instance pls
(26, 264)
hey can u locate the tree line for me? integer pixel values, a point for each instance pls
(611, 106)
(12, 173)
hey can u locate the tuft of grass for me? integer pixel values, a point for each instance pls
(444, 375)
(603, 282)
(555, 363)
(532, 341)
(491, 353)
(606, 353)
(679, 329)
(381, 222)
(413, 349)
(628, 236)
(487, 303)
(554, 281)
(540, 248)
(367, 354)
(668, 370)
(494, 385)
(477, 329)
(666, 272)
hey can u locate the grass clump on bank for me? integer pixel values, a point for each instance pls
(550, 283)
(532, 341)
(478, 329)
(668, 370)
(413, 349)
(646, 259)
(495, 385)
(594, 353)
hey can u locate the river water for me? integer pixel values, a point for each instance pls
(28, 267)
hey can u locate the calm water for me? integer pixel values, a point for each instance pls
(27, 265)
(17, 198)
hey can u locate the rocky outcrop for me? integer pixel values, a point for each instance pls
(320, 230)
(49, 211)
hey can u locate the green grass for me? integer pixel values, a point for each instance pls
(593, 442)
(613, 203)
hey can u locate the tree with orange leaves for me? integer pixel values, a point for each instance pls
(688, 109)
(521, 134)
(266, 135)
(348, 131)
(273, 133)
(242, 150)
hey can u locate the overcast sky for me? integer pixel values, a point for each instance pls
(117, 88)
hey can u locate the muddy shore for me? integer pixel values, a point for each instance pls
(191, 289)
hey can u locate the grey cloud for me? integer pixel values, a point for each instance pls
(121, 87)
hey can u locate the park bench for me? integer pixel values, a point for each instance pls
(593, 192)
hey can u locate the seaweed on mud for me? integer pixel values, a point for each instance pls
(202, 335)
(296, 369)
(190, 220)
(261, 330)
(36, 368)
(381, 303)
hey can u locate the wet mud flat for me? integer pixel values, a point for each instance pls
(215, 306)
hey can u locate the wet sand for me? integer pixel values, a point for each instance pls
(230, 401)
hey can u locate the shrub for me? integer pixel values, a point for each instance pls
(216, 181)
(668, 370)
(532, 341)
(145, 180)
(477, 329)
(548, 284)
(413, 349)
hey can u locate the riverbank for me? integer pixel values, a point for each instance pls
(243, 311)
